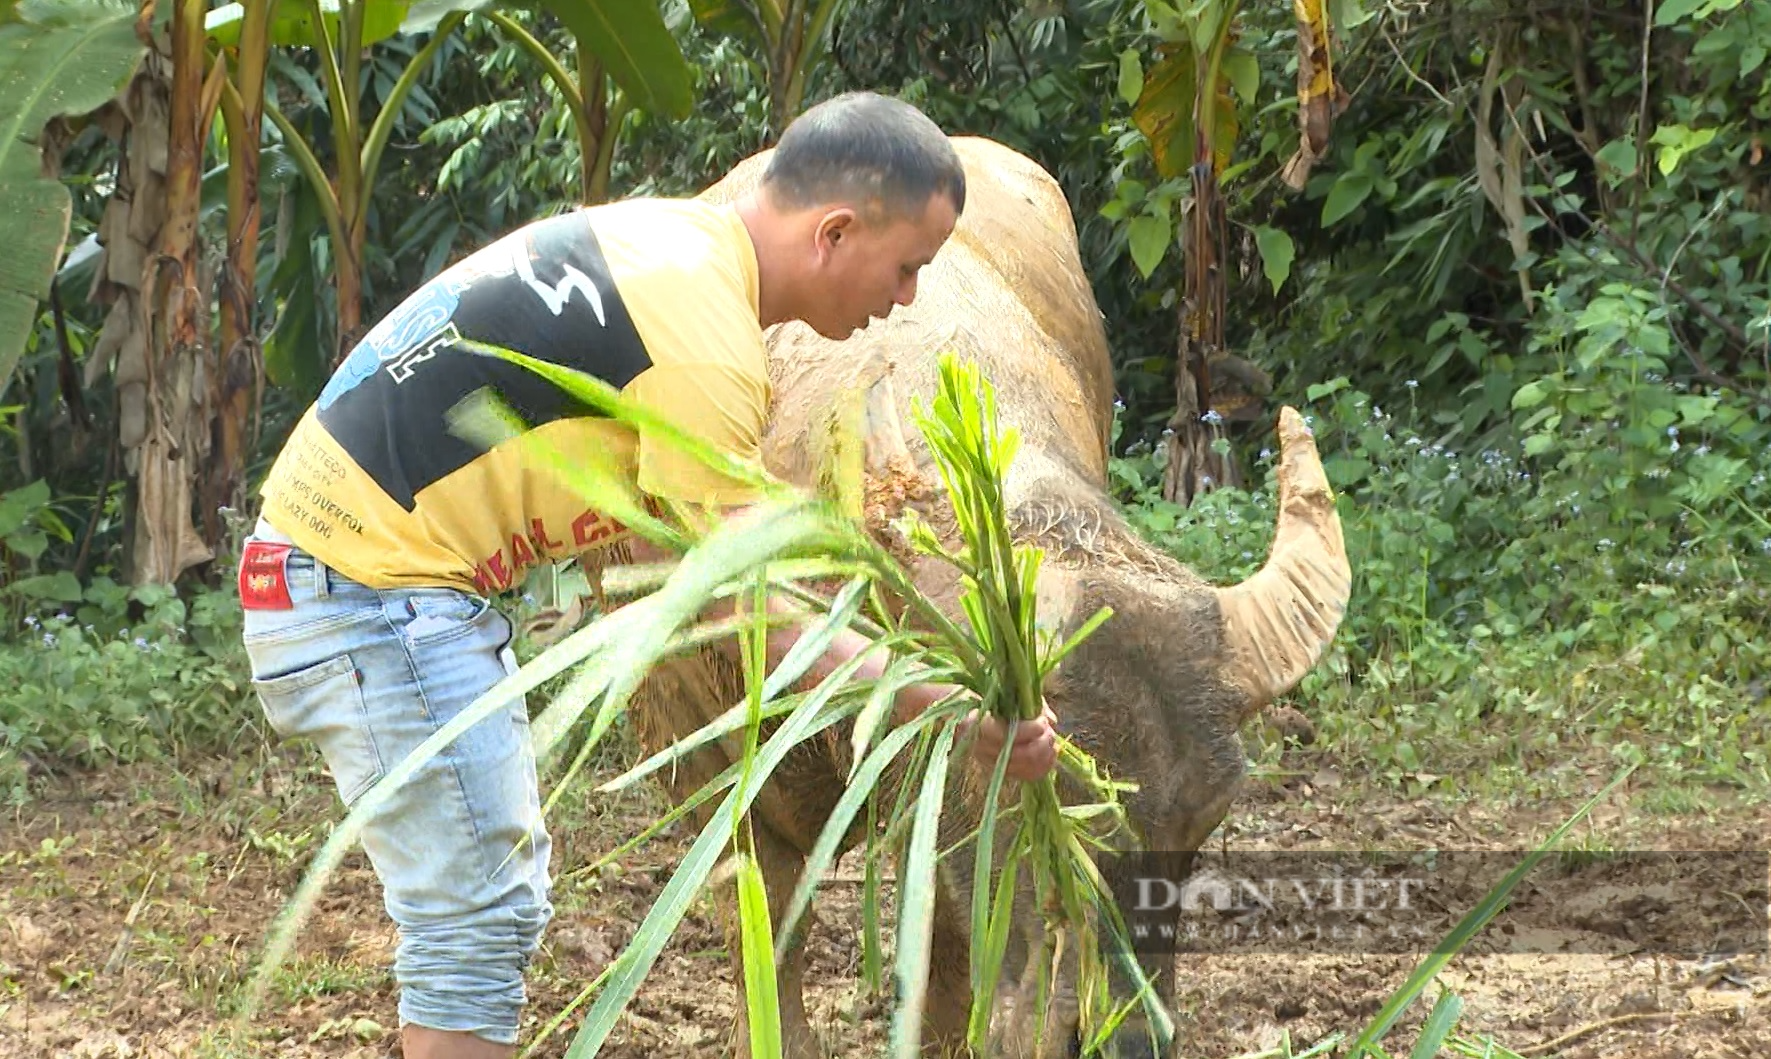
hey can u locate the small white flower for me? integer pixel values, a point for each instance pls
(1211, 416)
(1412, 384)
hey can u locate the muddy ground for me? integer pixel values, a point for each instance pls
(133, 903)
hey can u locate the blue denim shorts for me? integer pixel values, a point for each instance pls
(461, 850)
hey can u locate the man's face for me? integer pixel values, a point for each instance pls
(868, 267)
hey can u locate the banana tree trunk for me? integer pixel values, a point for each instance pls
(1194, 465)
(615, 111)
(808, 51)
(785, 89)
(341, 63)
(238, 384)
(152, 279)
(593, 121)
(596, 111)
(795, 47)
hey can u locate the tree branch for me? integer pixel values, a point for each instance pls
(1642, 118)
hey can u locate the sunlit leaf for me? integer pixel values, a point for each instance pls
(762, 1007)
(916, 911)
(1131, 76)
(292, 22)
(1148, 238)
(1277, 253)
(1244, 73)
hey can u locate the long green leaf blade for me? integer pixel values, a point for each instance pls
(813, 642)
(725, 724)
(916, 903)
(673, 901)
(901, 674)
(995, 945)
(982, 970)
(861, 788)
(1438, 1026)
(761, 1003)
(1490, 906)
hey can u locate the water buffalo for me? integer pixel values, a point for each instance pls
(1157, 694)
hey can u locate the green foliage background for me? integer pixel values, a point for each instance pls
(1551, 462)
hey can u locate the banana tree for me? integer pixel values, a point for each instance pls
(235, 388)
(1185, 106)
(56, 58)
(338, 32)
(627, 39)
(793, 35)
(597, 110)
(150, 273)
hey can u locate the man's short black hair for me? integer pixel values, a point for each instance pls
(867, 148)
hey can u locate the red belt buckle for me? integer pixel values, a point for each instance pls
(264, 584)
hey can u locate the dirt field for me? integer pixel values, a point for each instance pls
(133, 903)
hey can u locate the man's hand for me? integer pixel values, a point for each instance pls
(1036, 741)
(1035, 752)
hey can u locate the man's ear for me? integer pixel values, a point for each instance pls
(833, 227)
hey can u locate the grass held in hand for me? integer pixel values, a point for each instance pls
(1011, 657)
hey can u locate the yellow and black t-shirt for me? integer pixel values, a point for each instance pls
(656, 297)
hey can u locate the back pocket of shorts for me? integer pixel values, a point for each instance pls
(324, 703)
